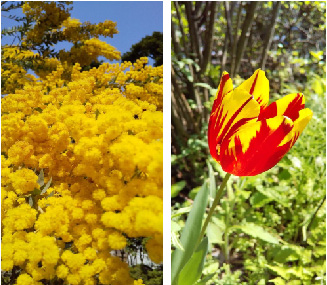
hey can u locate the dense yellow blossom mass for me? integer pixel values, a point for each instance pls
(82, 158)
(101, 145)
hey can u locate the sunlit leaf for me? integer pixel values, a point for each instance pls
(177, 187)
(190, 233)
(192, 270)
(256, 231)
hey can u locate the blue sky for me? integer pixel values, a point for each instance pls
(135, 19)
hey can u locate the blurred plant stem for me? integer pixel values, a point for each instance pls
(212, 209)
(226, 233)
(316, 211)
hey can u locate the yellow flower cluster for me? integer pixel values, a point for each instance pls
(45, 66)
(47, 16)
(73, 30)
(13, 74)
(82, 173)
(152, 78)
(17, 53)
(88, 52)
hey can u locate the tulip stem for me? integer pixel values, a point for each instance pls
(226, 234)
(212, 209)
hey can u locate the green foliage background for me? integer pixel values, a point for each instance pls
(271, 228)
(150, 46)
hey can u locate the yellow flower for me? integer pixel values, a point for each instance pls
(97, 137)
(20, 152)
(138, 282)
(116, 240)
(25, 279)
(24, 181)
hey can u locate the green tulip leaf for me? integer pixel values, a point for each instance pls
(190, 234)
(193, 269)
(212, 188)
(206, 279)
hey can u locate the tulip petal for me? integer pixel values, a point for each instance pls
(225, 86)
(289, 106)
(258, 86)
(305, 116)
(300, 123)
(236, 109)
(256, 147)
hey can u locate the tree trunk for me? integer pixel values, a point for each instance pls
(247, 24)
(193, 32)
(208, 37)
(234, 47)
(270, 34)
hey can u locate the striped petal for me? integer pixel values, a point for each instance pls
(256, 147)
(304, 116)
(258, 86)
(235, 109)
(289, 106)
(225, 86)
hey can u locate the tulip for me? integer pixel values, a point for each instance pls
(245, 134)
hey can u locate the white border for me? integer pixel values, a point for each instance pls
(166, 141)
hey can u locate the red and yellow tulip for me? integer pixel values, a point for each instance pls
(245, 134)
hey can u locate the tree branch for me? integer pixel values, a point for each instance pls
(247, 24)
(209, 37)
(193, 32)
(270, 34)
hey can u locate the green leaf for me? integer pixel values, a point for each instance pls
(97, 113)
(190, 233)
(31, 201)
(40, 180)
(212, 188)
(188, 75)
(204, 85)
(193, 269)
(180, 64)
(206, 279)
(175, 227)
(191, 62)
(291, 273)
(194, 192)
(38, 109)
(188, 60)
(215, 233)
(257, 232)
(181, 211)
(283, 272)
(175, 241)
(284, 175)
(278, 281)
(319, 251)
(298, 282)
(177, 187)
(46, 187)
(213, 92)
(275, 194)
(317, 55)
(284, 254)
(258, 200)
(36, 192)
(317, 86)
